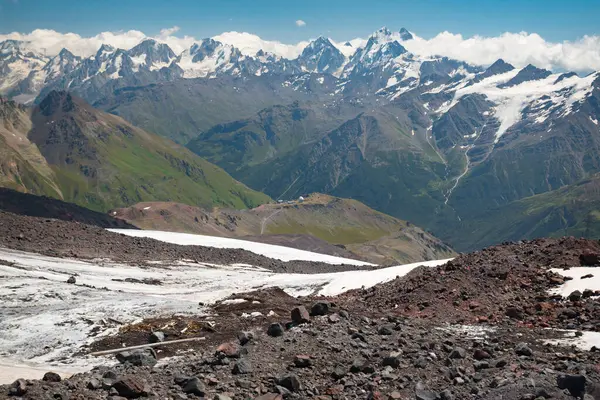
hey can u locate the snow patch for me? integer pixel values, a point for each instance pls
(278, 252)
(46, 320)
(577, 283)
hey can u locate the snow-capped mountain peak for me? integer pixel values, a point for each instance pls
(405, 34)
(321, 56)
(151, 55)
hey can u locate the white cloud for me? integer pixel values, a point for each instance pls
(249, 44)
(300, 23)
(518, 49)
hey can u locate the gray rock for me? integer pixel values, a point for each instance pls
(18, 388)
(392, 359)
(290, 382)
(320, 308)
(156, 337)
(195, 386)
(242, 367)
(222, 397)
(523, 350)
(138, 358)
(302, 361)
(245, 337)
(422, 394)
(575, 384)
(275, 330)
(51, 377)
(385, 330)
(457, 353)
(94, 384)
(339, 372)
(71, 280)
(575, 296)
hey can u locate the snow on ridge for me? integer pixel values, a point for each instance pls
(511, 101)
(269, 250)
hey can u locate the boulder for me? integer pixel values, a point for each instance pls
(195, 386)
(130, 387)
(51, 377)
(300, 315)
(275, 330)
(320, 308)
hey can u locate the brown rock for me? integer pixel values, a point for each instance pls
(130, 387)
(229, 349)
(300, 315)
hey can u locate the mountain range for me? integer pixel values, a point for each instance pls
(432, 140)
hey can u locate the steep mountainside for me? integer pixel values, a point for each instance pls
(20, 203)
(100, 161)
(309, 224)
(22, 167)
(572, 210)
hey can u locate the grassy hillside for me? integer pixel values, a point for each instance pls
(348, 224)
(100, 161)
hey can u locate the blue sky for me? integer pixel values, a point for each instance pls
(555, 20)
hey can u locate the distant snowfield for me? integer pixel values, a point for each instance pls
(45, 321)
(269, 250)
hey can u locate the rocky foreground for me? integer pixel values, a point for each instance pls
(475, 328)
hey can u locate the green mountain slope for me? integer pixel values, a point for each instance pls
(100, 161)
(347, 224)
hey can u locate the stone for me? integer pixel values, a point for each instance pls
(275, 330)
(138, 358)
(575, 384)
(514, 312)
(94, 384)
(421, 362)
(195, 386)
(242, 367)
(71, 280)
(290, 382)
(523, 350)
(457, 352)
(480, 354)
(302, 361)
(479, 365)
(51, 377)
(300, 315)
(575, 295)
(228, 349)
(245, 337)
(392, 360)
(269, 396)
(130, 387)
(385, 330)
(333, 318)
(18, 388)
(320, 308)
(358, 364)
(339, 372)
(589, 258)
(222, 397)
(344, 314)
(422, 394)
(157, 337)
